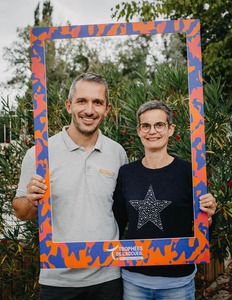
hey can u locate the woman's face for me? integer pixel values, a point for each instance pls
(154, 140)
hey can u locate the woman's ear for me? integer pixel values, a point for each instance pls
(171, 129)
(138, 130)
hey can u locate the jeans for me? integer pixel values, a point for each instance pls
(103, 291)
(133, 292)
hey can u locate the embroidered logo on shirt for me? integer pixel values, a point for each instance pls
(106, 172)
(149, 209)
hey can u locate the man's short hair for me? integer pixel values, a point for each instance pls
(90, 77)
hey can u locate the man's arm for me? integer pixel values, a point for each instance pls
(25, 208)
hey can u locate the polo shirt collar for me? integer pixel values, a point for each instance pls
(71, 146)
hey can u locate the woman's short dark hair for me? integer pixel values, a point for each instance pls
(154, 104)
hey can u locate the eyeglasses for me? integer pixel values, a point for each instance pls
(159, 127)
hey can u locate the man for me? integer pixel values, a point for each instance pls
(83, 170)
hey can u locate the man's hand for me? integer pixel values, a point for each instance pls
(36, 189)
(25, 208)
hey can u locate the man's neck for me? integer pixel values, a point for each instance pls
(82, 140)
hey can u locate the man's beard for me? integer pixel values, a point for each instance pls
(85, 131)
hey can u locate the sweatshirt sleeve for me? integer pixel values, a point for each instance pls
(119, 206)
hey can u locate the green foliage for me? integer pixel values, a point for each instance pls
(19, 262)
(168, 84)
(219, 161)
(216, 33)
(144, 9)
(19, 257)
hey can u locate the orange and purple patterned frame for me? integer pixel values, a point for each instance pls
(122, 252)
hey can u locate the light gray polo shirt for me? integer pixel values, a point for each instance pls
(82, 186)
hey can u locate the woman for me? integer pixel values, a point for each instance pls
(151, 195)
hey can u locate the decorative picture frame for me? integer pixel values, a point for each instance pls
(112, 253)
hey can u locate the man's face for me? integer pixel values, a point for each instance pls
(88, 106)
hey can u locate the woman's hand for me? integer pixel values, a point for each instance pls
(208, 204)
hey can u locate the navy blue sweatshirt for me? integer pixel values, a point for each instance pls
(155, 203)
